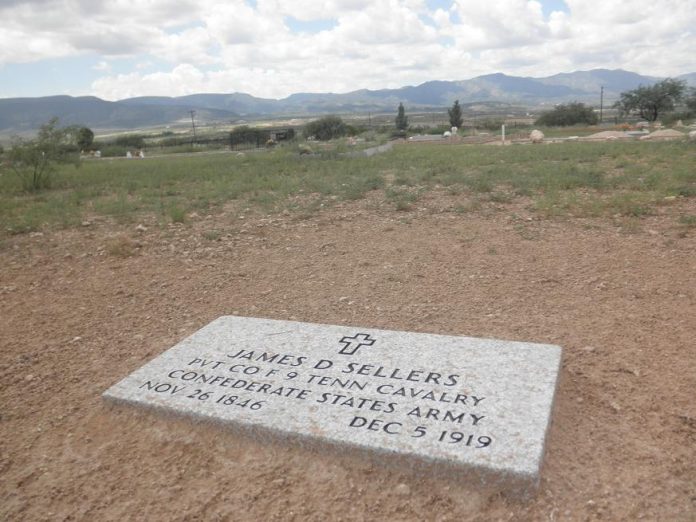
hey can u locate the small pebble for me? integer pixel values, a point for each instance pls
(402, 489)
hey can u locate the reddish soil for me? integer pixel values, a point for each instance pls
(78, 314)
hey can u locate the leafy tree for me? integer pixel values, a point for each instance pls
(85, 138)
(401, 118)
(650, 102)
(35, 160)
(455, 115)
(568, 114)
(691, 101)
(326, 128)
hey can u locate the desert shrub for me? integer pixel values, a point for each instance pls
(673, 117)
(564, 115)
(34, 161)
(326, 128)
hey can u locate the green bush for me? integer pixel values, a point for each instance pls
(673, 117)
(34, 161)
(326, 128)
(568, 114)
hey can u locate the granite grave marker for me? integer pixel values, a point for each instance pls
(480, 407)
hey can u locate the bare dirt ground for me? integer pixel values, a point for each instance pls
(77, 314)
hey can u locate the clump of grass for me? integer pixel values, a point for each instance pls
(121, 246)
(212, 235)
(119, 206)
(500, 197)
(177, 214)
(631, 205)
(526, 232)
(688, 220)
(631, 225)
(470, 206)
(479, 183)
(403, 199)
(264, 199)
(359, 185)
(308, 210)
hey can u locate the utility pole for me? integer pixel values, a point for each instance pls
(601, 103)
(193, 125)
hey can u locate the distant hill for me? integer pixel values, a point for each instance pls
(614, 81)
(689, 78)
(27, 114)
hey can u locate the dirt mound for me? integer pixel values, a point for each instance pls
(664, 134)
(608, 135)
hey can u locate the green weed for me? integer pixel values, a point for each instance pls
(403, 199)
(177, 214)
(688, 220)
(212, 235)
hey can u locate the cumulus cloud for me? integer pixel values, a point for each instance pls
(235, 45)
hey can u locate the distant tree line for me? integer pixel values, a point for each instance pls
(256, 136)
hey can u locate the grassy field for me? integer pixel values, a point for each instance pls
(580, 179)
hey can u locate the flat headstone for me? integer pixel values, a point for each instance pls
(479, 407)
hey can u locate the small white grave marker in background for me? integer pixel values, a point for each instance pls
(477, 406)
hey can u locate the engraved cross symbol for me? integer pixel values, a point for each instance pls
(351, 344)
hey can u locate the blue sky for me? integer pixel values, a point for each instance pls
(273, 48)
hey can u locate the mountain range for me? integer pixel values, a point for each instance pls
(20, 115)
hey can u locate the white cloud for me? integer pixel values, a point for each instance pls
(102, 66)
(227, 45)
(183, 79)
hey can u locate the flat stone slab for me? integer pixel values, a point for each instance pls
(480, 407)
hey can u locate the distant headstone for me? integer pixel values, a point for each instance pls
(477, 408)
